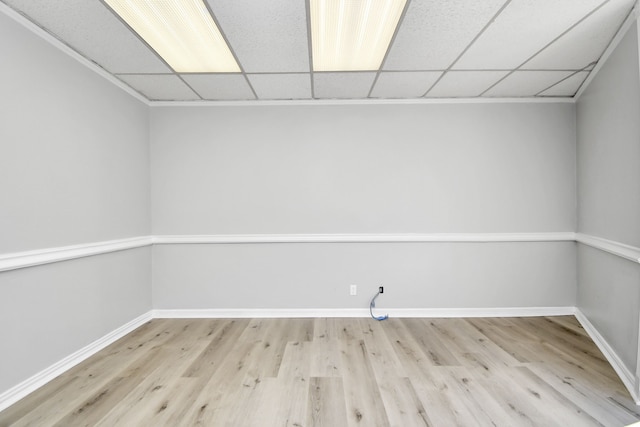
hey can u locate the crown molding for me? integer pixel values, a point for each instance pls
(321, 102)
(63, 47)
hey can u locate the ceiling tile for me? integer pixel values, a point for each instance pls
(567, 87)
(93, 31)
(522, 29)
(409, 84)
(220, 87)
(156, 87)
(586, 42)
(266, 35)
(465, 84)
(434, 33)
(526, 83)
(281, 86)
(343, 85)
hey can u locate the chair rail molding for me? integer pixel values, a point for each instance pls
(16, 260)
(622, 250)
(365, 238)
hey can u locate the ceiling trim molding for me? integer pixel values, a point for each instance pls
(58, 44)
(416, 101)
(628, 22)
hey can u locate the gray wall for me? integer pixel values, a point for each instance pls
(74, 168)
(483, 168)
(608, 129)
(317, 276)
(51, 311)
(363, 169)
(74, 164)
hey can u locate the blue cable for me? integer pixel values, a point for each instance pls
(373, 304)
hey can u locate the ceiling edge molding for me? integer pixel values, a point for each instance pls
(622, 31)
(55, 42)
(318, 102)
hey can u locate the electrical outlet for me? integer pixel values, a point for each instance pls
(381, 289)
(353, 290)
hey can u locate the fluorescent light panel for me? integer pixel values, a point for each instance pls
(182, 32)
(352, 35)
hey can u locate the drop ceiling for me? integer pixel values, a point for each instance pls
(441, 49)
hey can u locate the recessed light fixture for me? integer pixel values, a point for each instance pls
(182, 32)
(352, 35)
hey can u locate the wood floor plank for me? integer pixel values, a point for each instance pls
(338, 372)
(402, 405)
(326, 360)
(436, 345)
(408, 350)
(504, 334)
(442, 402)
(361, 391)
(326, 404)
(155, 393)
(384, 361)
(221, 341)
(602, 408)
(546, 398)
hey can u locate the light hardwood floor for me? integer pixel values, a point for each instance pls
(541, 371)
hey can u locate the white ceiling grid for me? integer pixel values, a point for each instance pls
(441, 49)
(343, 85)
(404, 84)
(162, 87)
(93, 31)
(220, 86)
(266, 36)
(281, 86)
(434, 33)
(528, 83)
(567, 87)
(522, 29)
(463, 84)
(585, 43)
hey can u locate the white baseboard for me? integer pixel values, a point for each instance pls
(362, 312)
(19, 391)
(627, 377)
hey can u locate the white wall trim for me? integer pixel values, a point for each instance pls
(370, 101)
(15, 260)
(365, 238)
(622, 31)
(19, 391)
(631, 253)
(225, 313)
(627, 377)
(48, 37)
